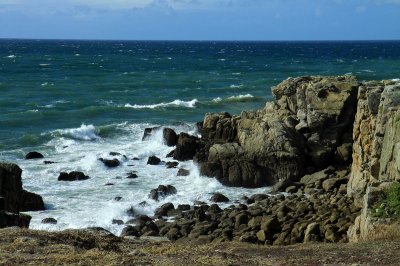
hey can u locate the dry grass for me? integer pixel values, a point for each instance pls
(29, 247)
(385, 232)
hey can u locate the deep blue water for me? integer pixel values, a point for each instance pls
(48, 85)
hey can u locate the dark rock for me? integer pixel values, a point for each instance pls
(171, 164)
(153, 160)
(49, 162)
(14, 198)
(162, 191)
(214, 208)
(109, 184)
(72, 176)
(183, 207)
(312, 233)
(118, 198)
(170, 137)
(218, 197)
(113, 153)
(170, 154)
(148, 132)
(118, 222)
(111, 163)
(49, 221)
(183, 172)
(8, 219)
(132, 175)
(33, 155)
(164, 209)
(130, 231)
(135, 159)
(186, 147)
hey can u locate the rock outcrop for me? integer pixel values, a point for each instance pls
(376, 156)
(14, 199)
(307, 128)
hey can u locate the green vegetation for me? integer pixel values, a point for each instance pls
(389, 206)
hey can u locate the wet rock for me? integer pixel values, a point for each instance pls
(111, 163)
(33, 155)
(170, 137)
(171, 164)
(183, 172)
(118, 198)
(132, 175)
(153, 160)
(130, 231)
(148, 132)
(49, 221)
(109, 184)
(8, 219)
(118, 222)
(186, 147)
(49, 162)
(170, 154)
(162, 191)
(183, 207)
(164, 209)
(218, 197)
(72, 176)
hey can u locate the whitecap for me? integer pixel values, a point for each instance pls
(177, 103)
(217, 100)
(77, 54)
(221, 59)
(11, 56)
(241, 96)
(44, 65)
(235, 86)
(396, 80)
(84, 132)
(368, 71)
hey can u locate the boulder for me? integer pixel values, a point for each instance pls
(49, 221)
(148, 132)
(33, 155)
(171, 164)
(183, 172)
(31, 202)
(132, 175)
(312, 233)
(111, 163)
(72, 176)
(162, 191)
(170, 137)
(164, 209)
(130, 231)
(218, 197)
(153, 160)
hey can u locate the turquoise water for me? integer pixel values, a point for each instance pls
(49, 85)
(76, 101)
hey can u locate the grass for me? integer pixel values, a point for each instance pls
(389, 205)
(77, 247)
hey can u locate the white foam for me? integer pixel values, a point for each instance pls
(11, 56)
(87, 203)
(396, 80)
(241, 96)
(44, 65)
(217, 100)
(84, 132)
(235, 86)
(178, 103)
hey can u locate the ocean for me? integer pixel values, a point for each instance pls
(77, 101)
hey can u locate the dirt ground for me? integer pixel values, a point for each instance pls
(82, 247)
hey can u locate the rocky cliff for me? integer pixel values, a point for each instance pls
(307, 128)
(14, 199)
(376, 156)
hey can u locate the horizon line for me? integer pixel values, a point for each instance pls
(201, 40)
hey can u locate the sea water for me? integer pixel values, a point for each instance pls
(77, 101)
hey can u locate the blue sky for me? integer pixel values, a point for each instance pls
(201, 19)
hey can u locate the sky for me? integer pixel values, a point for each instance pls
(201, 19)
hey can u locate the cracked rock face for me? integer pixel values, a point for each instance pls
(298, 133)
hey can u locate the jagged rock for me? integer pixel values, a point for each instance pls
(170, 137)
(49, 221)
(111, 163)
(33, 155)
(183, 172)
(14, 198)
(118, 222)
(132, 175)
(186, 147)
(153, 160)
(312, 233)
(130, 231)
(162, 191)
(148, 132)
(72, 176)
(218, 197)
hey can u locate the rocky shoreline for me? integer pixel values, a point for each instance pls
(327, 145)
